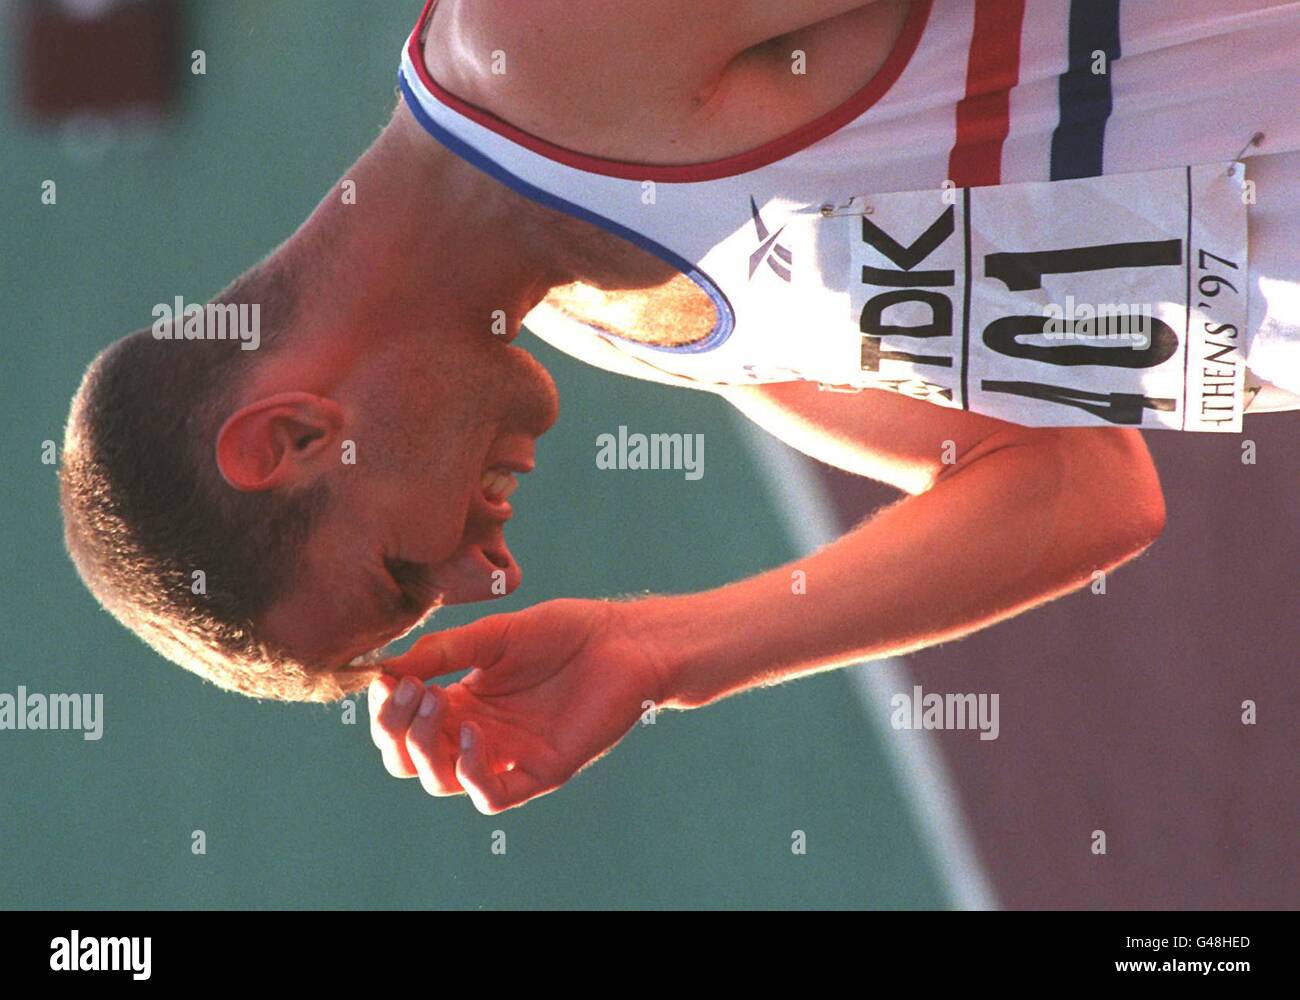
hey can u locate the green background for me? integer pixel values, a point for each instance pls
(695, 811)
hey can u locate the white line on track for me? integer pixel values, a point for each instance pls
(811, 523)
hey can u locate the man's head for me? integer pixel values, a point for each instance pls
(266, 517)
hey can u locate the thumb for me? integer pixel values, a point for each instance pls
(478, 644)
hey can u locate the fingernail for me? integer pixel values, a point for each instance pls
(406, 691)
(427, 704)
(466, 737)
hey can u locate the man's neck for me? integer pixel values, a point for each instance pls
(421, 237)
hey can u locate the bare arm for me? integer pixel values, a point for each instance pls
(1020, 516)
(640, 81)
(683, 27)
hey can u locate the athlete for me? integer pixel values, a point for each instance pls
(969, 249)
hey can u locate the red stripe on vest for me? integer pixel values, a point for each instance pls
(984, 114)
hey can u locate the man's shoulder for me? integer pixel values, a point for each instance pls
(580, 49)
(667, 82)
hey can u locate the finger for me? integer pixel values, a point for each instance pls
(478, 644)
(390, 724)
(381, 688)
(493, 791)
(431, 751)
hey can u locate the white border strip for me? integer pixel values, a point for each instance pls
(927, 785)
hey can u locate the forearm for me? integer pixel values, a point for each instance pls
(1030, 517)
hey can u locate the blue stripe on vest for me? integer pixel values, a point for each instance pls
(1085, 97)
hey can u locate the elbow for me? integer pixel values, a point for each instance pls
(1153, 522)
(1100, 490)
(1140, 524)
(1143, 518)
(1116, 472)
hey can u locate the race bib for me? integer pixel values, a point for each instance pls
(1110, 301)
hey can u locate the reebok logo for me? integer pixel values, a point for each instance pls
(768, 248)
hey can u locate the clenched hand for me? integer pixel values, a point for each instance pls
(552, 689)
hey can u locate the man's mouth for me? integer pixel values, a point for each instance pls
(498, 483)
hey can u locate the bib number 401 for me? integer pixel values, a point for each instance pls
(1015, 336)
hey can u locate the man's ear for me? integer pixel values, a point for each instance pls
(278, 440)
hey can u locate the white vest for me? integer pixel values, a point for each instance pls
(817, 275)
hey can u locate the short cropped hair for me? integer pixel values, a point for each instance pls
(145, 509)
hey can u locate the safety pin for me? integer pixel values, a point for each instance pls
(829, 211)
(1254, 140)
